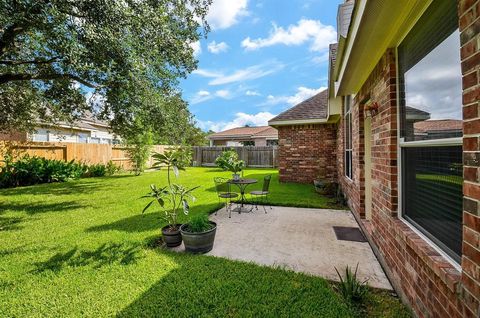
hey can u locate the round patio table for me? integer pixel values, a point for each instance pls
(242, 184)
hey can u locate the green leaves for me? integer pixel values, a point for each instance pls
(229, 160)
(350, 287)
(131, 53)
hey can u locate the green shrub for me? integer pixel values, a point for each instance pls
(97, 170)
(112, 168)
(350, 287)
(29, 170)
(229, 161)
(199, 223)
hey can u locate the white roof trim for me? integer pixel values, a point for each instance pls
(298, 122)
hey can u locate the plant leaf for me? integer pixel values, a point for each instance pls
(147, 206)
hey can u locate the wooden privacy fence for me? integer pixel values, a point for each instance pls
(88, 153)
(260, 157)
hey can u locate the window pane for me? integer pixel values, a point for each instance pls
(432, 194)
(430, 76)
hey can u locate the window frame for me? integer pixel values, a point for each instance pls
(348, 136)
(401, 144)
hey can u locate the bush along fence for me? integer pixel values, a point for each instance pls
(255, 157)
(85, 153)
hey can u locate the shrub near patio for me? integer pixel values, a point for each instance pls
(83, 248)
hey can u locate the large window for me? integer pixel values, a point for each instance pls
(348, 136)
(431, 127)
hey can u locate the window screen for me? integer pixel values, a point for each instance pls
(433, 194)
(430, 112)
(430, 76)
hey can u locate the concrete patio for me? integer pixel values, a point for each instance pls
(299, 239)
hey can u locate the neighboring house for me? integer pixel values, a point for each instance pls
(85, 130)
(411, 181)
(437, 129)
(245, 136)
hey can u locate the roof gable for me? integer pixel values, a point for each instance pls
(316, 107)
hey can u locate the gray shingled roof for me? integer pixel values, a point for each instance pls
(316, 107)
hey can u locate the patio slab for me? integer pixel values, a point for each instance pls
(299, 239)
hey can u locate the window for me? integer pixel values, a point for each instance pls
(431, 127)
(272, 142)
(40, 135)
(247, 143)
(348, 136)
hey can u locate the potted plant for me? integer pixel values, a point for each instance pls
(172, 198)
(229, 161)
(198, 234)
(322, 186)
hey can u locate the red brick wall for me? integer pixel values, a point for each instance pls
(469, 13)
(305, 151)
(425, 279)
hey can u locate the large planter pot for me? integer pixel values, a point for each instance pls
(198, 242)
(170, 237)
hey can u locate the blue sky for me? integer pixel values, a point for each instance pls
(260, 58)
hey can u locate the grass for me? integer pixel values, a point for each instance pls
(81, 248)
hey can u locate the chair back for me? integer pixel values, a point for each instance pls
(266, 182)
(221, 185)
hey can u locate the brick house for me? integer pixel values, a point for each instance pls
(403, 77)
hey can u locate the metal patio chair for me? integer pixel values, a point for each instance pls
(261, 196)
(224, 192)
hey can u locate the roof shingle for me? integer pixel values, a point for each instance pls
(248, 132)
(316, 107)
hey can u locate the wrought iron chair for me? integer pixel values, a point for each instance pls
(261, 196)
(224, 192)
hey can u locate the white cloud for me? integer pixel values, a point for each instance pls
(252, 93)
(222, 93)
(225, 13)
(203, 96)
(304, 31)
(215, 48)
(249, 73)
(197, 48)
(321, 58)
(206, 73)
(302, 94)
(240, 120)
(203, 93)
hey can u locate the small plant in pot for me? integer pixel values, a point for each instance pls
(229, 161)
(198, 234)
(172, 198)
(178, 196)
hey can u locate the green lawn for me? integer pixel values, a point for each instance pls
(81, 248)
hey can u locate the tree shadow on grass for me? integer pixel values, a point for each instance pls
(59, 188)
(123, 254)
(10, 223)
(148, 221)
(38, 207)
(203, 286)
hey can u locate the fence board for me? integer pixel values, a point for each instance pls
(88, 153)
(265, 157)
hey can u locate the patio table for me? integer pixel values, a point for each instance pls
(242, 184)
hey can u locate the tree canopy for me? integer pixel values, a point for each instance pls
(126, 56)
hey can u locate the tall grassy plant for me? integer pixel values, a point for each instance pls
(350, 287)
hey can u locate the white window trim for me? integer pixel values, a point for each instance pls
(401, 143)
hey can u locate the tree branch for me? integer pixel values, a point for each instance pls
(10, 77)
(8, 37)
(36, 61)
